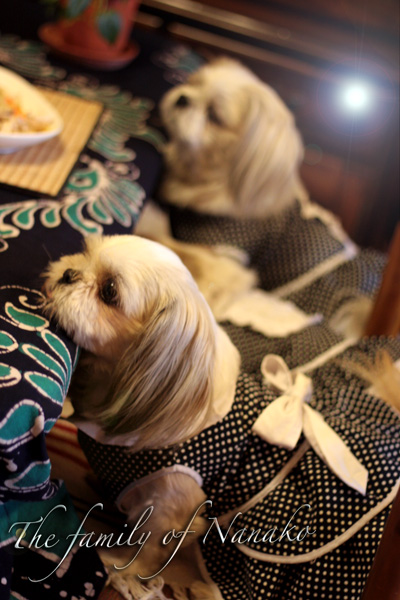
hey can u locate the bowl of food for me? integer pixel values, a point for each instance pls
(26, 117)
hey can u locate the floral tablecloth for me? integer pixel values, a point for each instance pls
(105, 192)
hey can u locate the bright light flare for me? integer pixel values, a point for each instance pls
(356, 97)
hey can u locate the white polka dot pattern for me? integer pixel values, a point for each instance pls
(235, 465)
(280, 248)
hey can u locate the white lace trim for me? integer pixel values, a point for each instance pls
(156, 475)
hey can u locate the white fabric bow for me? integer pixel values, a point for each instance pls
(282, 422)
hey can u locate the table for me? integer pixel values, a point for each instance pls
(117, 171)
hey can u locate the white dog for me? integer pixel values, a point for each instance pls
(157, 368)
(118, 299)
(234, 150)
(233, 145)
(157, 372)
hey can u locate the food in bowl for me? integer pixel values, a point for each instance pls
(14, 120)
(28, 118)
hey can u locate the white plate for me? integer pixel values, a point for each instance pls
(32, 101)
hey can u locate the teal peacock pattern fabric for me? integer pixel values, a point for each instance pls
(105, 192)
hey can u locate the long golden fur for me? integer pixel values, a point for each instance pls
(128, 380)
(233, 146)
(381, 373)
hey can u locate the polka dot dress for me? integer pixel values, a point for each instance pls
(286, 247)
(280, 248)
(303, 534)
(315, 532)
(296, 349)
(360, 276)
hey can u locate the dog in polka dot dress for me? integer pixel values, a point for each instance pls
(231, 168)
(174, 428)
(233, 149)
(157, 369)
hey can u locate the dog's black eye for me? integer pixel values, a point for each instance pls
(182, 101)
(213, 117)
(108, 292)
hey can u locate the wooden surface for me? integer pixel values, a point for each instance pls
(385, 316)
(384, 579)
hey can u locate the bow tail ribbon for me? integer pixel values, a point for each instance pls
(333, 451)
(283, 420)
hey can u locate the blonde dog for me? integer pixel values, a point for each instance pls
(118, 300)
(233, 147)
(157, 368)
(233, 150)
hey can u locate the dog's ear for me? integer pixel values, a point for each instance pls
(161, 389)
(264, 176)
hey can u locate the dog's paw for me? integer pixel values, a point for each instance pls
(118, 582)
(237, 254)
(199, 527)
(131, 588)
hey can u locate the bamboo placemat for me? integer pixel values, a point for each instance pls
(45, 167)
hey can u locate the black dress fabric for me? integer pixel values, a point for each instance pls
(286, 247)
(316, 532)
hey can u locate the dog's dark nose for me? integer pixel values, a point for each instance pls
(182, 101)
(69, 276)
